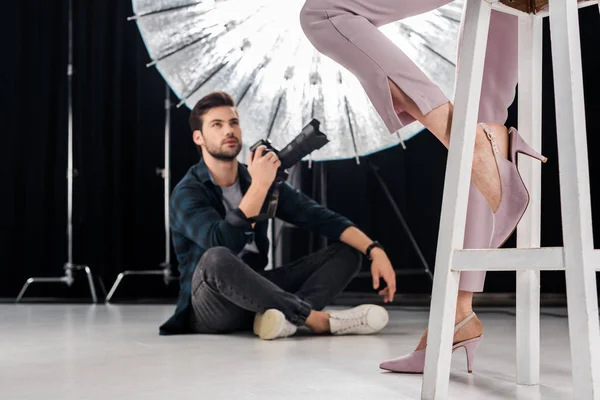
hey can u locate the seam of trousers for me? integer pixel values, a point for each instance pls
(397, 124)
(298, 318)
(194, 312)
(423, 103)
(214, 287)
(221, 289)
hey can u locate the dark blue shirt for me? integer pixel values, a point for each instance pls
(199, 221)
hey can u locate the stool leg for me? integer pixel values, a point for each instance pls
(575, 199)
(436, 376)
(528, 232)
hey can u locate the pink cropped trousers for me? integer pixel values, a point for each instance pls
(347, 32)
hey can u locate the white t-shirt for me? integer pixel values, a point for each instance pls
(232, 197)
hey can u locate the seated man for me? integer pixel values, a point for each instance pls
(222, 251)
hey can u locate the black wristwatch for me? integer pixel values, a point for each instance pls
(371, 247)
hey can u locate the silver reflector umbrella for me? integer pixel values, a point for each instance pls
(256, 51)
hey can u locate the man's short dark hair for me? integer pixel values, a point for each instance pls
(212, 100)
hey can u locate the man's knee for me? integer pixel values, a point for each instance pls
(350, 257)
(214, 262)
(216, 254)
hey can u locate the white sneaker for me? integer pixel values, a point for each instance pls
(272, 325)
(362, 320)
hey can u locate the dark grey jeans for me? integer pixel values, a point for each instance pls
(227, 293)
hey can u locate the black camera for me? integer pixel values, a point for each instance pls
(309, 140)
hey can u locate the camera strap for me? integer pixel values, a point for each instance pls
(272, 203)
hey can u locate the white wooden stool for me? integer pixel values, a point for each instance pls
(577, 258)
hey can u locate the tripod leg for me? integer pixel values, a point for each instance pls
(22, 292)
(113, 289)
(91, 282)
(402, 220)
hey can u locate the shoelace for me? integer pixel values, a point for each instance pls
(352, 322)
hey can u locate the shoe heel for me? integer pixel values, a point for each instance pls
(519, 145)
(470, 348)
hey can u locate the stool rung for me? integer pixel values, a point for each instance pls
(537, 259)
(541, 259)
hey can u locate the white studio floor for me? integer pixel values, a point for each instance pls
(78, 352)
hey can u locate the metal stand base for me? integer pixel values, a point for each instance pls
(166, 273)
(165, 174)
(71, 174)
(67, 279)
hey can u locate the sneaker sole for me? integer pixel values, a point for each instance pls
(377, 319)
(268, 326)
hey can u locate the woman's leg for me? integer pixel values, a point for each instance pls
(346, 31)
(500, 79)
(497, 94)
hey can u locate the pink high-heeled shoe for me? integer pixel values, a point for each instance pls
(515, 197)
(482, 223)
(414, 363)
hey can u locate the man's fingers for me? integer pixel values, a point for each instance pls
(391, 291)
(260, 150)
(375, 279)
(390, 280)
(388, 293)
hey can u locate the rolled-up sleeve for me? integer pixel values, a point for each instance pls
(300, 210)
(194, 217)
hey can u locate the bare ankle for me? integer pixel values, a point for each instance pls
(462, 314)
(318, 322)
(501, 137)
(464, 305)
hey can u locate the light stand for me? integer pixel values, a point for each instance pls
(165, 173)
(388, 195)
(69, 266)
(322, 179)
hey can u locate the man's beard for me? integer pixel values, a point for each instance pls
(224, 155)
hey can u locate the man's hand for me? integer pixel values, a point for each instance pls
(381, 267)
(263, 170)
(263, 167)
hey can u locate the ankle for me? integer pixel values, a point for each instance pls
(464, 305)
(318, 322)
(461, 314)
(500, 133)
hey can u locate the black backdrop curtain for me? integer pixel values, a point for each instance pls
(119, 126)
